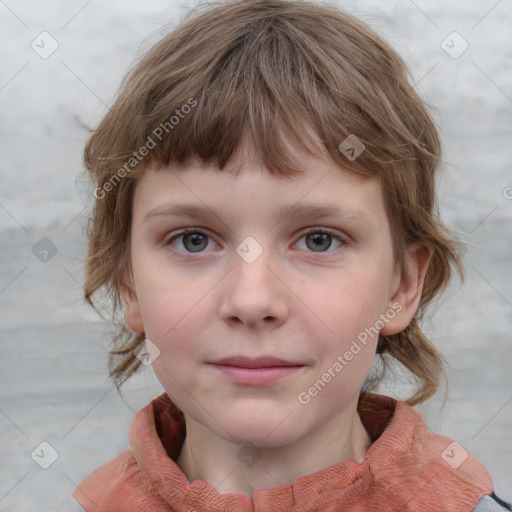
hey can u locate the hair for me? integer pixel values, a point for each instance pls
(262, 69)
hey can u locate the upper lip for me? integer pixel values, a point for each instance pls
(258, 362)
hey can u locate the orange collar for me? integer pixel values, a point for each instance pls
(407, 468)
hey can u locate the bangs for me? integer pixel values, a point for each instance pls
(198, 95)
(238, 95)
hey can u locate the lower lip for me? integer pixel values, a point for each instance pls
(256, 376)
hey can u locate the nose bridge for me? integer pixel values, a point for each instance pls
(254, 293)
(252, 262)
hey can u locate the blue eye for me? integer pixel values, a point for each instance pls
(318, 241)
(193, 240)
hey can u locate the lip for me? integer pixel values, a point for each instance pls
(258, 362)
(256, 371)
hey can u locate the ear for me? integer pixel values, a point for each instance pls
(408, 288)
(132, 315)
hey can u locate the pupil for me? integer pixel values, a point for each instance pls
(320, 239)
(196, 240)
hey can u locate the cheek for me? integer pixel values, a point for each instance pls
(169, 300)
(354, 301)
(350, 312)
(170, 312)
(175, 321)
(176, 310)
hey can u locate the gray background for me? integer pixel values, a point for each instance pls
(54, 384)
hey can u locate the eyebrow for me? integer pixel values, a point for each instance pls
(290, 211)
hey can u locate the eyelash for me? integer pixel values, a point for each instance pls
(324, 231)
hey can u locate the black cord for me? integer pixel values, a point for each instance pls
(503, 503)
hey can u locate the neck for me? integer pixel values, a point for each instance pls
(210, 458)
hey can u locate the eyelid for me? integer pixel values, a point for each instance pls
(329, 231)
(167, 240)
(311, 229)
(323, 229)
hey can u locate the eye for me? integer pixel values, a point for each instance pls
(320, 240)
(193, 240)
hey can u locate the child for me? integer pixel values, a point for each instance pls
(249, 138)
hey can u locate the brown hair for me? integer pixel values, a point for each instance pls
(264, 68)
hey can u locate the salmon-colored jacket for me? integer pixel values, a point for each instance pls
(407, 468)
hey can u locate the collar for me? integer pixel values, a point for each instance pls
(406, 468)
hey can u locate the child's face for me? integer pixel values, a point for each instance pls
(304, 299)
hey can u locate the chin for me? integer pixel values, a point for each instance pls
(265, 431)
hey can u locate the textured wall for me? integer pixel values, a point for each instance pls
(53, 376)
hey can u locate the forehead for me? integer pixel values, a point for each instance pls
(245, 189)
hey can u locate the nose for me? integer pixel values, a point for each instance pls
(254, 293)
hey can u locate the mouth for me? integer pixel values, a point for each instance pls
(256, 371)
(258, 362)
